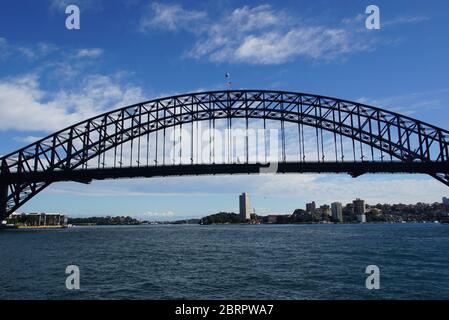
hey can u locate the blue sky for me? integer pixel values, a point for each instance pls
(130, 51)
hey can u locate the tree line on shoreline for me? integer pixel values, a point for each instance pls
(379, 213)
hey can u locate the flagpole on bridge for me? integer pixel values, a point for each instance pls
(228, 82)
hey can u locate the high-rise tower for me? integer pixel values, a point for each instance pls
(244, 206)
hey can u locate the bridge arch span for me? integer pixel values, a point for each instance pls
(401, 143)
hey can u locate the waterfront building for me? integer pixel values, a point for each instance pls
(244, 206)
(359, 210)
(337, 211)
(325, 210)
(271, 219)
(446, 201)
(311, 207)
(361, 218)
(358, 206)
(40, 219)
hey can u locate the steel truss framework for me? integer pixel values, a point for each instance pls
(405, 144)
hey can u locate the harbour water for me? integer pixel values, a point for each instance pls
(227, 262)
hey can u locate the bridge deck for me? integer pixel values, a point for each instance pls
(353, 168)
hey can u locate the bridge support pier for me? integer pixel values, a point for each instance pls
(3, 201)
(3, 191)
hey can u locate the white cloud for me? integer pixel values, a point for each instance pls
(24, 105)
(302, 187)
(28, 139)
(89, 53)
(171, 17)
(276, 47)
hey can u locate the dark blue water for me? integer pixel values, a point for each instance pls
(227, 262)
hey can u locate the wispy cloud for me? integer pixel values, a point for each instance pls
(411, 103)
(3, 48)
(30, 53)
(59, 4)
(405, 20)
(255, 35)
(82, 4)
(172, 17)
(89, 52)
(357, 23)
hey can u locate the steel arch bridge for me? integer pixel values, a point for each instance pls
(329, 134)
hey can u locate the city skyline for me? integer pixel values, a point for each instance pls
(334, 210)
(54, 77)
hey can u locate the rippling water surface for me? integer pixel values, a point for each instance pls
(227, 262)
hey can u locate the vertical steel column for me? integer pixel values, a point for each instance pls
(371, 138)
(165, 127)
(335, 134)
(317, 133)
(180, 139)
(299, 133)
(117, 124)
(213, 138)
(100, 138)
(341, 133)
(379, 134)
(157, 136)
(191, 135)
(441, 155)
(210, 137)
(122, 122)
(148, 138)
(265, 131)
(246, 132)
(138, 139)
(352, 137)
(302, 133)
(359, 121)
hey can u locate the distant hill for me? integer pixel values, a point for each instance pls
(187, 221)
(103, 221)
(222, 217)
